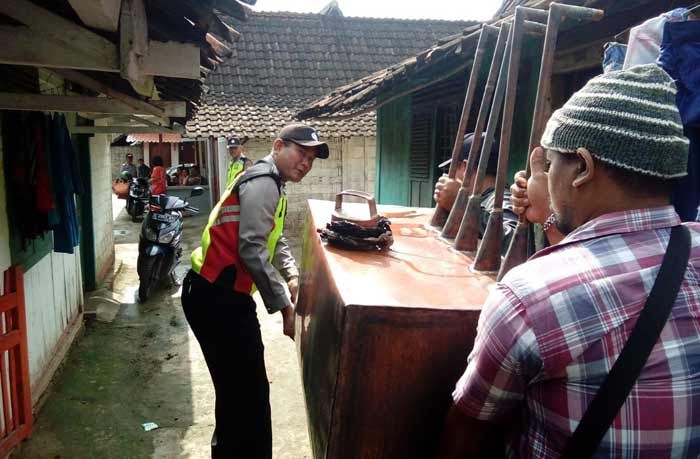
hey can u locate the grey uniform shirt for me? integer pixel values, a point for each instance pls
(259, 198)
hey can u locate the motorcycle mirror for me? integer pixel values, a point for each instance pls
(197, 191)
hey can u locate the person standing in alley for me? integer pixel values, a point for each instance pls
(238, 160)
(243, 248)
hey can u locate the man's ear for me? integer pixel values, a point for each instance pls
(277, 145)
(586, 167)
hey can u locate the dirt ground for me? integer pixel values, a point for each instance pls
(139, 363)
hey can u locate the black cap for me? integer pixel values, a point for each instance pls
(306, 136)
(129, 155)
(234, 142)
(464, 153)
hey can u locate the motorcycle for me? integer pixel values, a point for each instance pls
(139, 192)
(159, 242)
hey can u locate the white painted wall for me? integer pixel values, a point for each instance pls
(102, 224)
(53, 295)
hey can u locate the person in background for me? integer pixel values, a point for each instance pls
(182, 176)
(128, 166)
(446, 190)
(195, 177)
(159, 181)
(238, 161)
(142, 170)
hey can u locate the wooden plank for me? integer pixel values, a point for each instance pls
(172, 59)
(100, 14)
(46, 23)
(8, 302)
(124, 130)
(37, 102)
(133, 40)
(24, 46)
(97, 86)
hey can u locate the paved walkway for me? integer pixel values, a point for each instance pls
(140, 363)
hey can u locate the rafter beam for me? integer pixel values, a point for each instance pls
(100, 14)
(97, 86)
(37, 102)
(54, 42)
(124, 130)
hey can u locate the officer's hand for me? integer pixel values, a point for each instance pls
(293, 285)
(288, 321)
(446, 190)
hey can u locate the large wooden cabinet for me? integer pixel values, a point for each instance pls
(382, 338)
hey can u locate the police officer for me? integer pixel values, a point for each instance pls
(243, 247)
(238, 161)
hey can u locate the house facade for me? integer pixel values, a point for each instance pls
(285, 60)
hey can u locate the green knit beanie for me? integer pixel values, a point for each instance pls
(628, 119)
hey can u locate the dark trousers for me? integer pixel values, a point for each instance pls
(228, 331)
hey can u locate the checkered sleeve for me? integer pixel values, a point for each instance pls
(504, 359)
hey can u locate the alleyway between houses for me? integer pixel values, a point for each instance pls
(139, 363)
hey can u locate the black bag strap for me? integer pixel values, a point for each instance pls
(614, 391)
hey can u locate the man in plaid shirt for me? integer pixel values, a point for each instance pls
(550, 332)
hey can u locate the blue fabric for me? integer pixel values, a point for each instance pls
(680, 57)
(66, 183)
(614, 56)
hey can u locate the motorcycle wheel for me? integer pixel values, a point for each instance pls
(149, 270)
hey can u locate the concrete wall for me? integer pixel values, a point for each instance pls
(351, 165)
(102, 225)
(118, 157)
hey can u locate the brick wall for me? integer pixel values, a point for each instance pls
(118, 157)
(101, 175)
(350, 165)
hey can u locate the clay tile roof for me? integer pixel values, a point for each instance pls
(451, 52)
(284, 60)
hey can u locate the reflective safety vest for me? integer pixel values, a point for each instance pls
(217, 260)
(235, 169)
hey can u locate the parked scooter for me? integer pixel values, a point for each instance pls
(139, 192)
(159, 242)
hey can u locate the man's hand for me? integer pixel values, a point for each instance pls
(288, 317)
(293, 285)
(531, 196)
(446, 190)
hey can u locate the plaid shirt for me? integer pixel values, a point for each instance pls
(551, 331)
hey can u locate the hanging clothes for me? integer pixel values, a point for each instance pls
(645, 39)
(680, 57)
(613, 56)
(66, 184)
(27, 179)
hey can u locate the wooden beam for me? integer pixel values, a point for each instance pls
(37, 102)
(583, 58)
(54, 42)
(124, 130)
(24, 46)
(171, 59)
(99, 14)
(91, 83)
(133, 40)
(46, 23)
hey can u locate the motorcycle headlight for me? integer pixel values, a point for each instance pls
(149, 233)
(166, 238)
